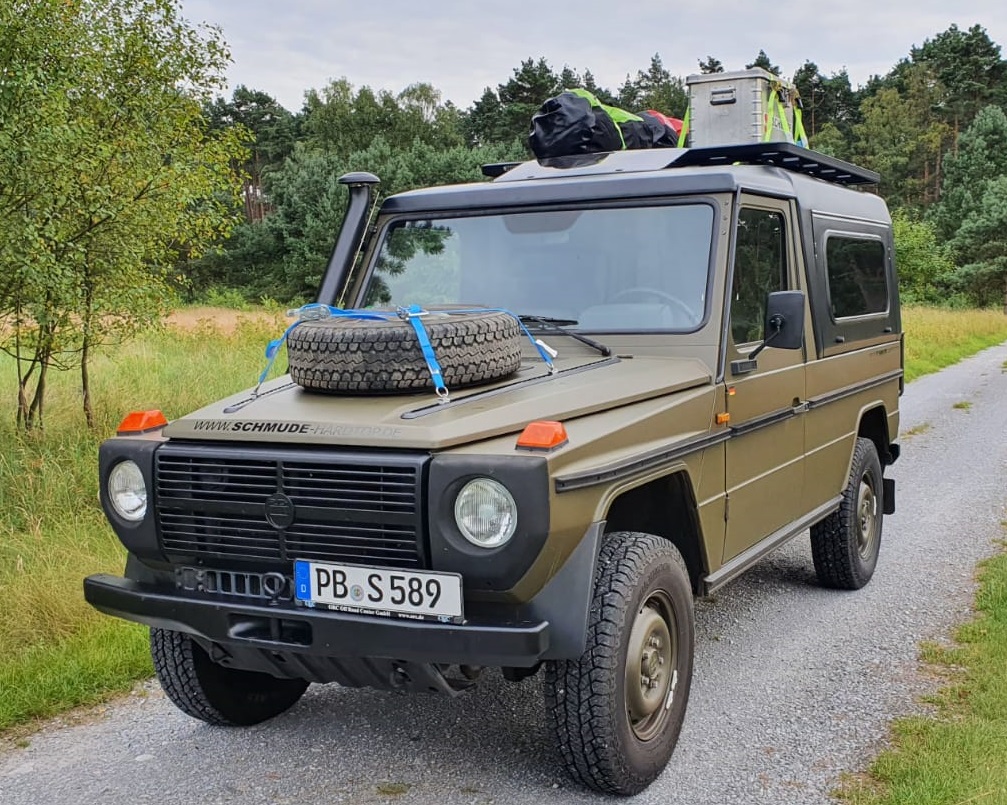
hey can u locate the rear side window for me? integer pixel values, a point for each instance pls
(857, 279)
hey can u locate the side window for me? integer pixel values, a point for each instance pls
(760, 266)
(857, 279)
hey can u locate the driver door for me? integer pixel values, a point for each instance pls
(765, 454)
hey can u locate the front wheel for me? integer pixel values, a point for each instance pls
(845, 545)
(618, 710)
(203, 689)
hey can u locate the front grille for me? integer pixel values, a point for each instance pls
(358, 508)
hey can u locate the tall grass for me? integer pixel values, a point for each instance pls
(939, 337)
(55, 651)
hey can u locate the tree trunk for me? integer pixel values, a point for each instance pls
(34, 414)
(85, 352)
(35, 417)
(23, 376)
(22, 403)
(85, 383)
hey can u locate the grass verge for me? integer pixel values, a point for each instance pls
(55, 651)
(939, 337)
(960, 754)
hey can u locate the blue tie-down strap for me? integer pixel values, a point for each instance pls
(544, 352)
(413, 314)
(313, 312)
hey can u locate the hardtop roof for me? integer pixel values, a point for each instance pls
(781, 170)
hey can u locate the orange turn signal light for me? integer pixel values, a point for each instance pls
(141, 422)
(722, 419)
(544, 434)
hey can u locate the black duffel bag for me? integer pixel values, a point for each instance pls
(569, 124)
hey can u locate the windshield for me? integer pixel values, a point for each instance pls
(628, 268)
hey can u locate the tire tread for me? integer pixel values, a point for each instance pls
(833, 547)
(380, 357)
(579, 693)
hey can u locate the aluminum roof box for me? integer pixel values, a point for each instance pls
(740, 107)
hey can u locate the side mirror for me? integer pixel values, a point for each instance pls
(784, 321)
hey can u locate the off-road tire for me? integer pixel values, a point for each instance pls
(845, 545)
(587, 699)
(227, 697)
(353, 356)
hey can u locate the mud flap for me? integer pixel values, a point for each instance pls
(889, 495)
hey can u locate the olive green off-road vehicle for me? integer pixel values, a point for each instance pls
(541, 415)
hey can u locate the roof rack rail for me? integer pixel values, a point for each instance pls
(495, 169)
(783, 155)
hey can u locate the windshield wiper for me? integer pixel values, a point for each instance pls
(557, 325)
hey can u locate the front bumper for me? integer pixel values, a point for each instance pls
(321, 633)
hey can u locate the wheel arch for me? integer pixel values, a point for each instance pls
(873, 425)
(666, 507)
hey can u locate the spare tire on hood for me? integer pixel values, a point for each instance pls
(363, 356)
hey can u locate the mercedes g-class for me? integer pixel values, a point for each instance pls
(527, 421)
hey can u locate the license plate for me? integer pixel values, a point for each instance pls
(379, 591)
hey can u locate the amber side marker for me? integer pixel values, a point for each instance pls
(544, 434)
(141, 422)
(722, 419)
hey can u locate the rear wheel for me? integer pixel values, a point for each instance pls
(617, 711)
(203, 689)
(845, 545)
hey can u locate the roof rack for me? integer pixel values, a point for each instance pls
(789, 156)
(783, 155)
(495, 169)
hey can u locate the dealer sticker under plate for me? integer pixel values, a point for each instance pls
(379, 591)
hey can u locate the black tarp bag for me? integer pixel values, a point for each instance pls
(661, 130)
(569, 124)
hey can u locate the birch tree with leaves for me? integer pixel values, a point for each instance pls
(108, 171)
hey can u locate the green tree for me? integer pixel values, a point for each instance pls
(503, 116)
(830, 140)
(969, 68)
(601, 93)
(971, 212)
(342, 120)
(654, 88)
(109, 171)
(310, 203)
(484, 121)
(710, 65)
(926, 269)
(272, 131)
(981, 240)
(763, 61)
(826, 100)
(981, 157)
(902, 139)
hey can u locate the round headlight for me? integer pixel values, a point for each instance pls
(127, 491)
(486, 513)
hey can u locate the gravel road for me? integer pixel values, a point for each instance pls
(793, 685)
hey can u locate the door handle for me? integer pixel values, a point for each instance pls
(801, 407)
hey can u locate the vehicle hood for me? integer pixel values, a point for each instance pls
(284, 412)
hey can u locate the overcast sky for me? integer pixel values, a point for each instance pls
(462, 46)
